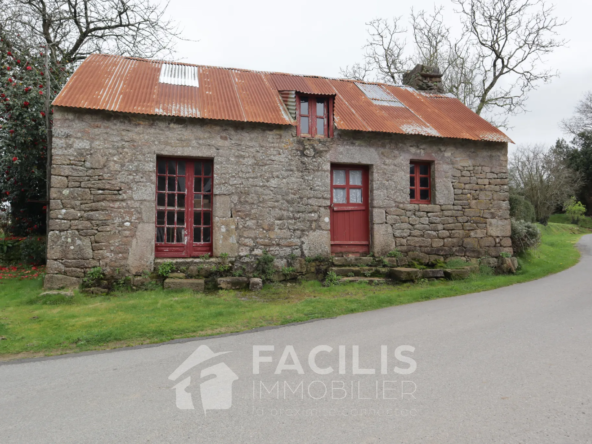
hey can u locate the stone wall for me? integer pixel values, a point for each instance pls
(271, 191)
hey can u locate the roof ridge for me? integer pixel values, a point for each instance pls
(313, 76)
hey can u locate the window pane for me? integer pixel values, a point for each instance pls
(181, 235)
(424, 182)
(424, 169)
(304, 105)
(160, 234)
(339, 177)
(207, 218)
(181, 201)
(181, 184)
(197, 201)
(170, 218)
(172, 169)
(207, 201)
(206, 235)
(161, 183)
(320, 127)
(198, 168)
(355, 195)
(411, 169)
(197, 218)
(170, 200)
(207, 168)
(412, 193)
(181, 168)
(304, 125)
(339, 195)
(180, 217)
(161, 167)
(170, 235)
(160, 200)
(196, 234)
(171, 184)
(207, 185)
(355, 177)
(320, 107)
(197, 185)
(424, 194)
(411, 181)
(160, 218)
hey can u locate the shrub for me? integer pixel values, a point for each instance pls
(27, 250)
(265, 267)
(575, 210)
(331, 279)
(165, 269)
(93, 277)
(33, 250)
(521, 209)
(395, 253)
(525, 235)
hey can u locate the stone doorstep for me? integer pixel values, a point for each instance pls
(373, 280)
(233, 283)
(184, 284)
(189, 261)
(349, 261)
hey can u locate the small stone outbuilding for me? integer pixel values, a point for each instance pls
(166, 160)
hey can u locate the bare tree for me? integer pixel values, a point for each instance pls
(73, 29)
(582, 121)
(384, 53)
(491, 65)
(511, 37)
(543, 178)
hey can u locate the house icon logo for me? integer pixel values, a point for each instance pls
(216, 392)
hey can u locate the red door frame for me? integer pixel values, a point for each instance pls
(358, 225)
(187, 247)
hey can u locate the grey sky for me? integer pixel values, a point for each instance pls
(320, 36)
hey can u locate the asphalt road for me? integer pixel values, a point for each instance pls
(512, 365)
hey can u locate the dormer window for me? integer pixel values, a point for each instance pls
(314, 116)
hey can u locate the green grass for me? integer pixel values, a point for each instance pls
(564, 219)
(33, 326)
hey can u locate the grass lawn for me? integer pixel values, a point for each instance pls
(564, 219)
(31, 326)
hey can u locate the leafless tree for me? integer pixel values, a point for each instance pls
(491, 64)
(543, 178)
(73, 29)
(383, 53)
(582, 121)
(512, 37)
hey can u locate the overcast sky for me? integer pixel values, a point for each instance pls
(320, 36)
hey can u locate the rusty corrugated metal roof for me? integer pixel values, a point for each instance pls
(132, 85)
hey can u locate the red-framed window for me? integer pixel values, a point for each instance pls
(315, 114)
(420, 182)
(184, 198)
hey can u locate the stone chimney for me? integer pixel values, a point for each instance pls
(424, 78)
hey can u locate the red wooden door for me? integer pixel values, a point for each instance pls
(184, 197)
(350, 226)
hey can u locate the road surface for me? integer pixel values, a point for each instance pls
(513, 365)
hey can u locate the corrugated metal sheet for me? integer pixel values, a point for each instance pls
(132, 85)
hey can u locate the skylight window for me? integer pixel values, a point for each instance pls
(378, 95)
(179, 75)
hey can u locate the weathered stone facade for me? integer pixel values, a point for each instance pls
(271, 191)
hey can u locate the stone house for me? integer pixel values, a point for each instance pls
(167, 160)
